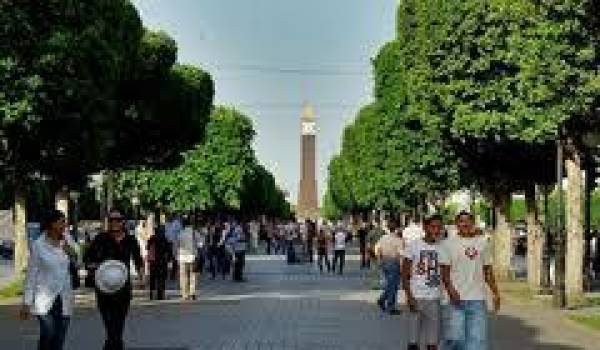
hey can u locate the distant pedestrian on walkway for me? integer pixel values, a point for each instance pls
(47, 293)
(115, 244)
(323, 250)
(340, 238)
(363, 233)
(158, 255)
(173, 228)
(239, 244)
(311, 236)
(389, 250)
(421, 283)
(412, 231)
(187, 250)
(466, 267)
(214, 250)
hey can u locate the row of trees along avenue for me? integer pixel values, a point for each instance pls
(85, 88)
(478, 92)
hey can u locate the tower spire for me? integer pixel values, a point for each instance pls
(308, 112)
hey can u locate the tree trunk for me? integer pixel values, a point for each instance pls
(20, 227)
(574, 232)
(535, 242)
(502, 239)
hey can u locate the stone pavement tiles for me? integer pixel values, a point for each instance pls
(281, 307)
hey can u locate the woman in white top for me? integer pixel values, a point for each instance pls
(48, 292)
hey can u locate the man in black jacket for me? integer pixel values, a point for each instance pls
(159, 254)
(115, 244)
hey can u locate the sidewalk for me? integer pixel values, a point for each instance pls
(290, 307)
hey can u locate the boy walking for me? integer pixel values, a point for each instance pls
(421, 283)
(466, 266)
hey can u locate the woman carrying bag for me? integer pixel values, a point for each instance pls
(48, 292)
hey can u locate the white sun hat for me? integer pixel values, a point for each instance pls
(111, 276)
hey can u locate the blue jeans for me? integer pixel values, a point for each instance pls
(465, 326)
(53, 327)
(389, 296)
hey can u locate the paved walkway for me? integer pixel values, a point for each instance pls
(281, 307)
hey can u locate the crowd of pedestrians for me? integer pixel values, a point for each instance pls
(445, 280)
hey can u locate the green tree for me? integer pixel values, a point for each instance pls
(221, 173)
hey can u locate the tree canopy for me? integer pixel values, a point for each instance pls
(76, 96)
(219, 174)
(470, 91)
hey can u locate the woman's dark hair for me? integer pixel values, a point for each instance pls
(434, 217)
(50, 217)
(465, 213)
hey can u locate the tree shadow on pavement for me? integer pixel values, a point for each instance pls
(512, 333)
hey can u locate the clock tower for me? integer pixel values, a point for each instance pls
(308, 204)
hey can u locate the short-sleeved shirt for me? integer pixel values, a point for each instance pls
(391, 246)
(425, 274)
(466, 258)
(340, 240)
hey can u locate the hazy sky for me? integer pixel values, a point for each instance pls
(269, 56)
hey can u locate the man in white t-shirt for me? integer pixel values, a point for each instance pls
(340, 237)
(421, 282)
(466, 266)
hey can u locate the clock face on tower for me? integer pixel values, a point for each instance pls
(308, 128)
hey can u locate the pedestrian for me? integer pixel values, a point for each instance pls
(412, 231)
(363, 234)
(115, 245)
(225, 249)
(239, 244)
(213, 250)
(311, 234)
(322, 250)
(389, 251)
(173, 228)
(187, 252)
(158, 256)
(289, 243)
(466, 268)
(340, 238)
(421, 283)
(48, 289)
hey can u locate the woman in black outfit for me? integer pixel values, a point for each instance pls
(115, 244)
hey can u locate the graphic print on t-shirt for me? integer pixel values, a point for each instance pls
(428, 266)
(471, 253)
